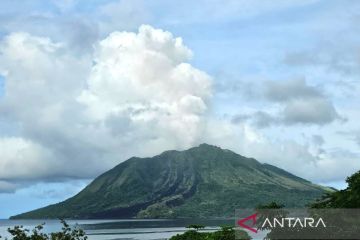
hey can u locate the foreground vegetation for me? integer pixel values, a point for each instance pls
(226, 233)
(66, 233)
(347, 198)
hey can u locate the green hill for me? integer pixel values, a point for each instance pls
(204, 181)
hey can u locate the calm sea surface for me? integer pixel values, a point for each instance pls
(120, 229)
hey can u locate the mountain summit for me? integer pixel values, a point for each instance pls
(204, 181)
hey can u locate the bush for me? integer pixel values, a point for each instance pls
(66, 233)
(226, 233)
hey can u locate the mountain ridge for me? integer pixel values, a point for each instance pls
(203, 181)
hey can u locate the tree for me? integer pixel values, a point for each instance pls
(347, 198)
(197, 227)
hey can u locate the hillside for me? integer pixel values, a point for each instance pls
(204, 181)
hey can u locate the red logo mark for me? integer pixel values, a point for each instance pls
(242, 222)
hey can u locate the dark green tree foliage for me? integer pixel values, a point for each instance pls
(347, 198)
(66, 233)
(226, 233)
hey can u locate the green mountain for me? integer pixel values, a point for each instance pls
(204, 181)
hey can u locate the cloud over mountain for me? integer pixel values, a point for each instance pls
(77, 116)
(73, 116)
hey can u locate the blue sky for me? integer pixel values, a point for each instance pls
(276, 80)
(2, 81)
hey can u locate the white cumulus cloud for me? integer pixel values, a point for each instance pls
(22, 159)
(78, 116)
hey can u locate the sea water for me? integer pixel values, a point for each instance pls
(129, 229)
